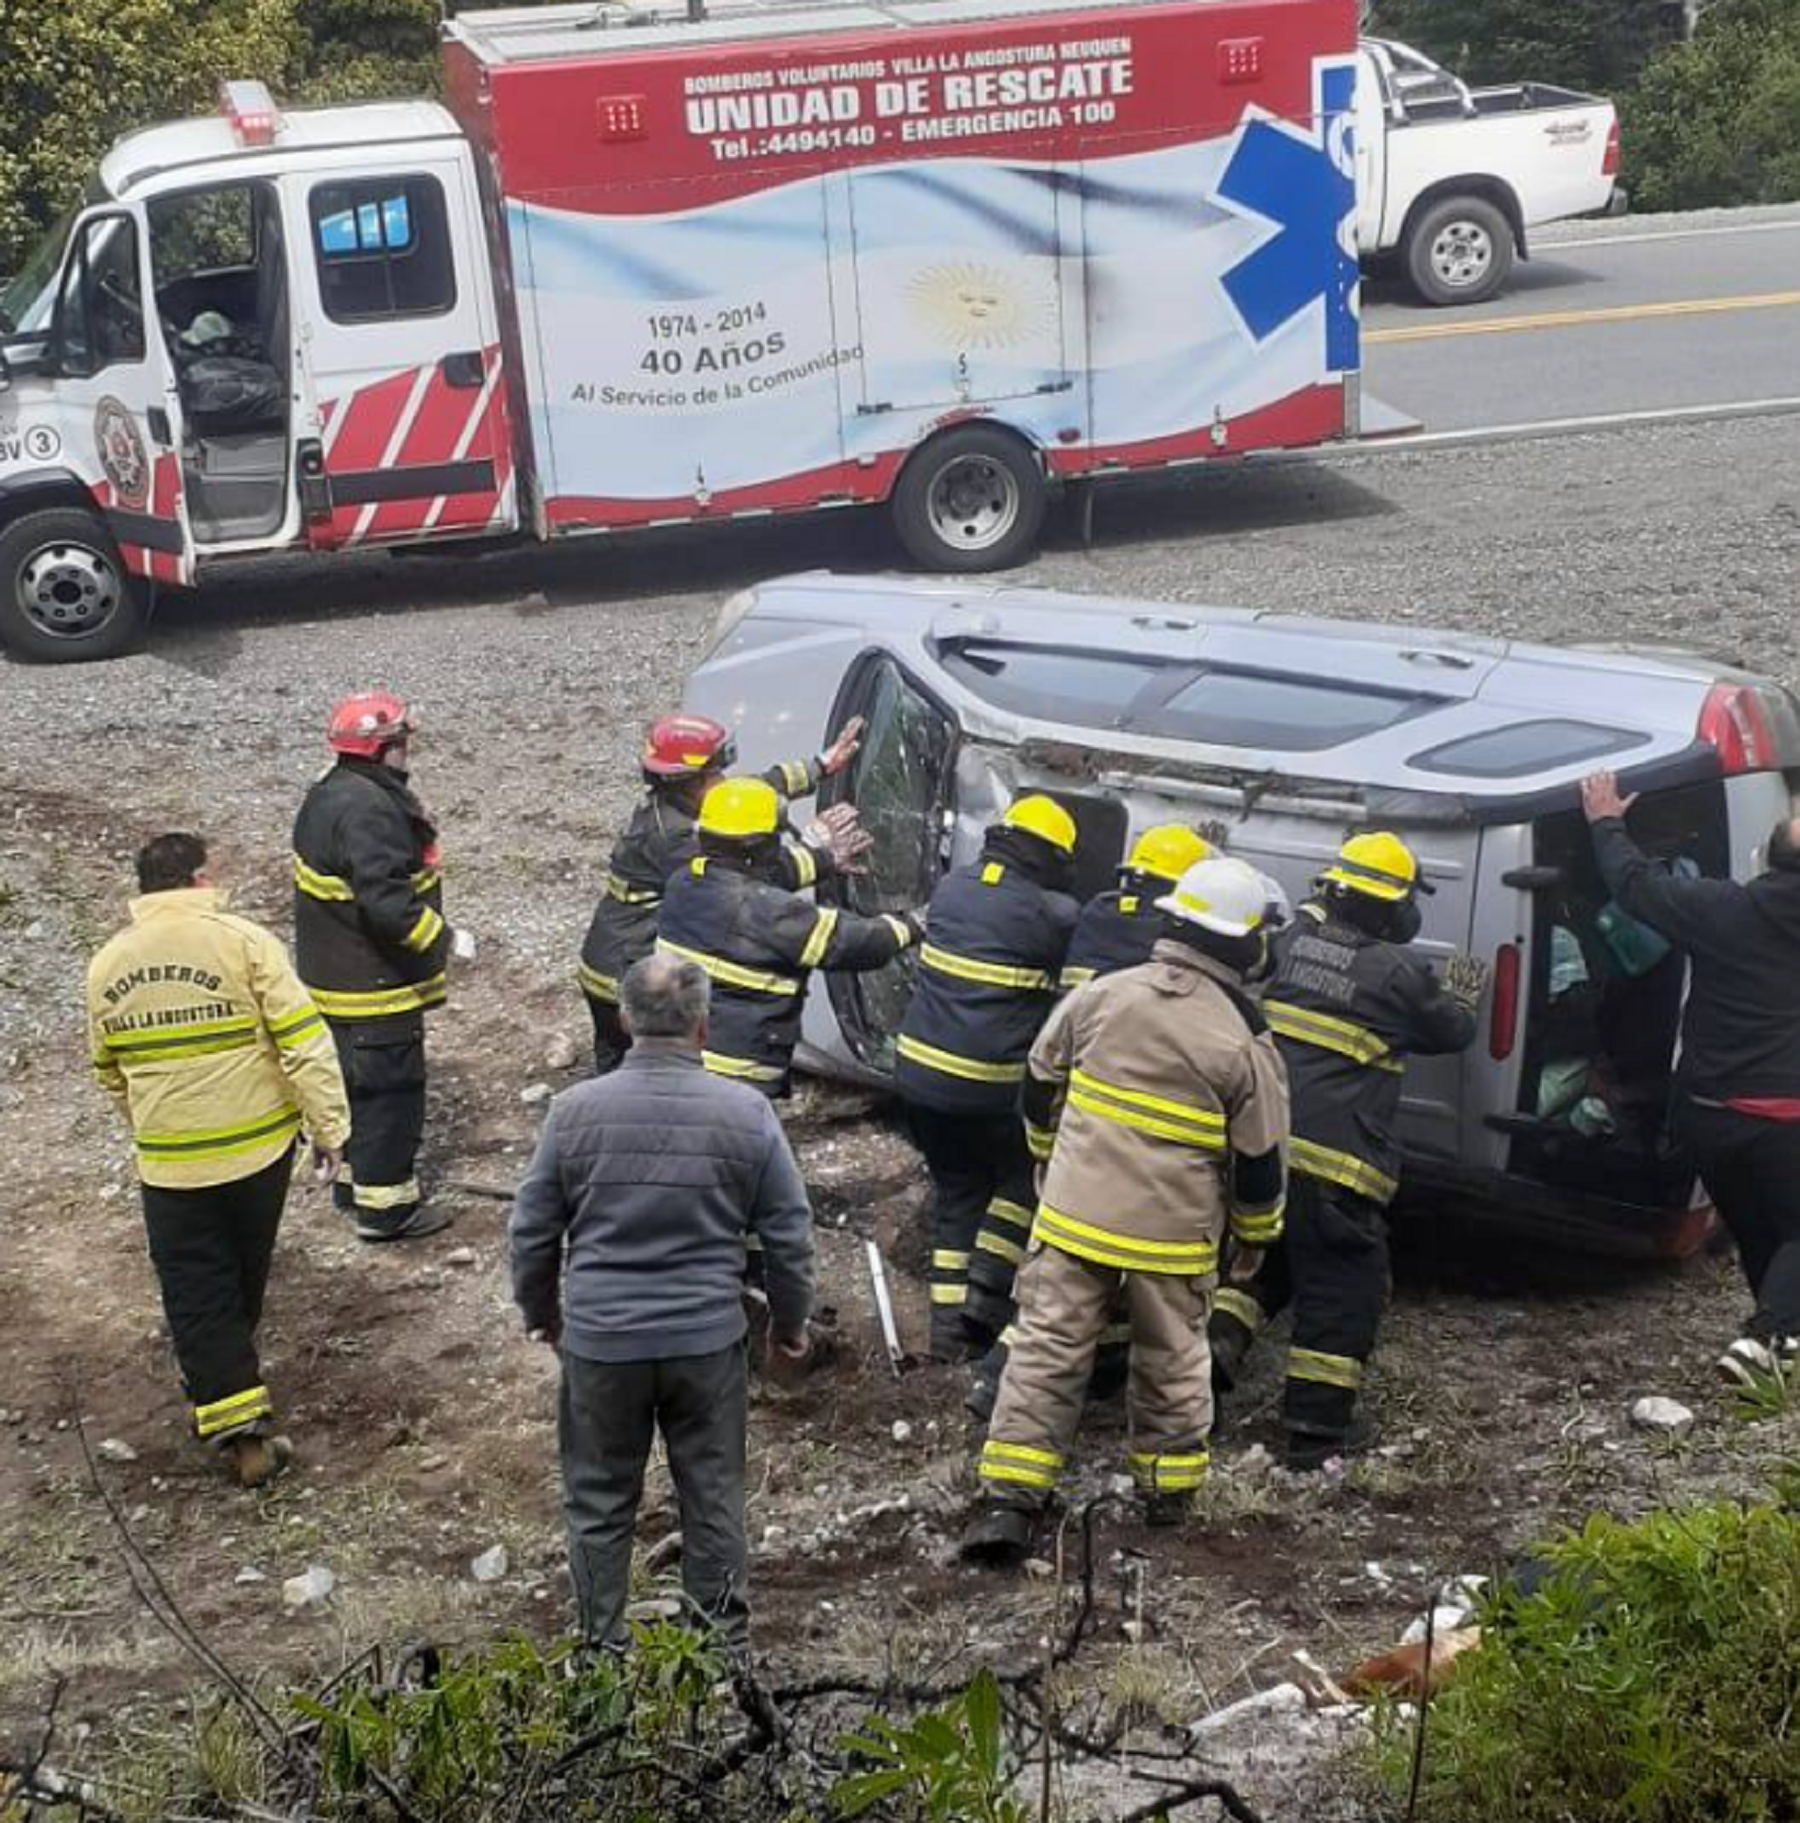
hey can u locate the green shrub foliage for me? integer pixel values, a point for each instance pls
(1654, 1678)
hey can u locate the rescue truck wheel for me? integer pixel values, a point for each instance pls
(64, 593)
(1459, 251)
(971, 499)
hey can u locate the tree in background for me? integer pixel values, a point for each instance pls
(76, 74)
(1583, 44)
(1716, 122)
(358, 49)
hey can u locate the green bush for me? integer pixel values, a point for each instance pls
(1654, 1678)
(1716, 123)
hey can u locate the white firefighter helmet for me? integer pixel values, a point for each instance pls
(1220, 894)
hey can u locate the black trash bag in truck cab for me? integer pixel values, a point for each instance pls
(225, 393)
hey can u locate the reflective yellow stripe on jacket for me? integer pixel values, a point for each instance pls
(317, 885)
(733, 974)
(1128, 1252)
(625, 893)
(1341, 1168)
(949, 1063)
(598, 986)
(221, 1142)
(296, 1028)
(819, 938)
(200, 1039)
(427, 928)
(1156, 1115)
(381, 1003)
(1343, 1036)
(989, 974)
(741, 1069)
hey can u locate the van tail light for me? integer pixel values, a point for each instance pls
(1731, 722)
(1609, 165)
(1504, 1016)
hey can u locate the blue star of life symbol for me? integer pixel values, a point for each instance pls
(1301, 182)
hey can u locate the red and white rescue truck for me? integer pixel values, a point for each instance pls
(649, 267)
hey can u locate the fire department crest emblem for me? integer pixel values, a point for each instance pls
(123, 458)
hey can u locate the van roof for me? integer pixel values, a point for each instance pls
(591, 28)
(183, 145)
(1365, 703)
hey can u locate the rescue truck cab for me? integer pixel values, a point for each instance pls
(648, 267)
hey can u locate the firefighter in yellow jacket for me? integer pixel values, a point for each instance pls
(198, 1023)
(1160, 1101)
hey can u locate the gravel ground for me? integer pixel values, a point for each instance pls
(424, 1419)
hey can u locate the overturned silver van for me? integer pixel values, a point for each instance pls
(1277, 735)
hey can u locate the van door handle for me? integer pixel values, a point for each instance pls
(1534, 879)
(464, 369)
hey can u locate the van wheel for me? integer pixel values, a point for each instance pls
(1460, 251)
(971, 499)
(64, 591)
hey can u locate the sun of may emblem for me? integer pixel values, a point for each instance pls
(970, 305)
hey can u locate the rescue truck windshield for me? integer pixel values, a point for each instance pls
(28, 298)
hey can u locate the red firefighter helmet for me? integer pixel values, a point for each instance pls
(367, 722)
(683, 746)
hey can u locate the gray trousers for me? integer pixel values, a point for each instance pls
(607, 1418)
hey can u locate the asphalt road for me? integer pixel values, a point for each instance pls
(1614, 317)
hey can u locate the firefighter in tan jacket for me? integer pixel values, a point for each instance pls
(1159, 1101)
(198, 1023)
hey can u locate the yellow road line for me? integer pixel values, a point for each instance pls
(1573, 319)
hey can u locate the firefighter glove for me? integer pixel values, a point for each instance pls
(1465, 977)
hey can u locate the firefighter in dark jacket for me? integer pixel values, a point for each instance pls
(1737, 1084)
(997, 934)
(758, 940)
(1348, 1002)
(1119, 929)
(371, 944)
(684, 757)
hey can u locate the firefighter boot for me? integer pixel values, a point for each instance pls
(949, 1336)
(984, 1389)
(999, 1536)
(1309, 1451)
(256, 1461)
(1168, 1509)
(414, 1226)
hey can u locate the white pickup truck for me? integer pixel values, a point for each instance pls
(1449, 178)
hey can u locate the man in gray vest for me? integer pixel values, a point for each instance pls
(628, 1257)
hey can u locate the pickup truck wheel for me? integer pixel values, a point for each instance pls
(64, 593)
(972, 499)
(1460, 251)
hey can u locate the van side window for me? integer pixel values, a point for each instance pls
(100, 309)
(382, 248)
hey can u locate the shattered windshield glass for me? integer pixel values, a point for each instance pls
(898, 784)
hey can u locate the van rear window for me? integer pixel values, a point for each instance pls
(1051, 684)
(1285, 714)
(1525, 747)
(1175, 699)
